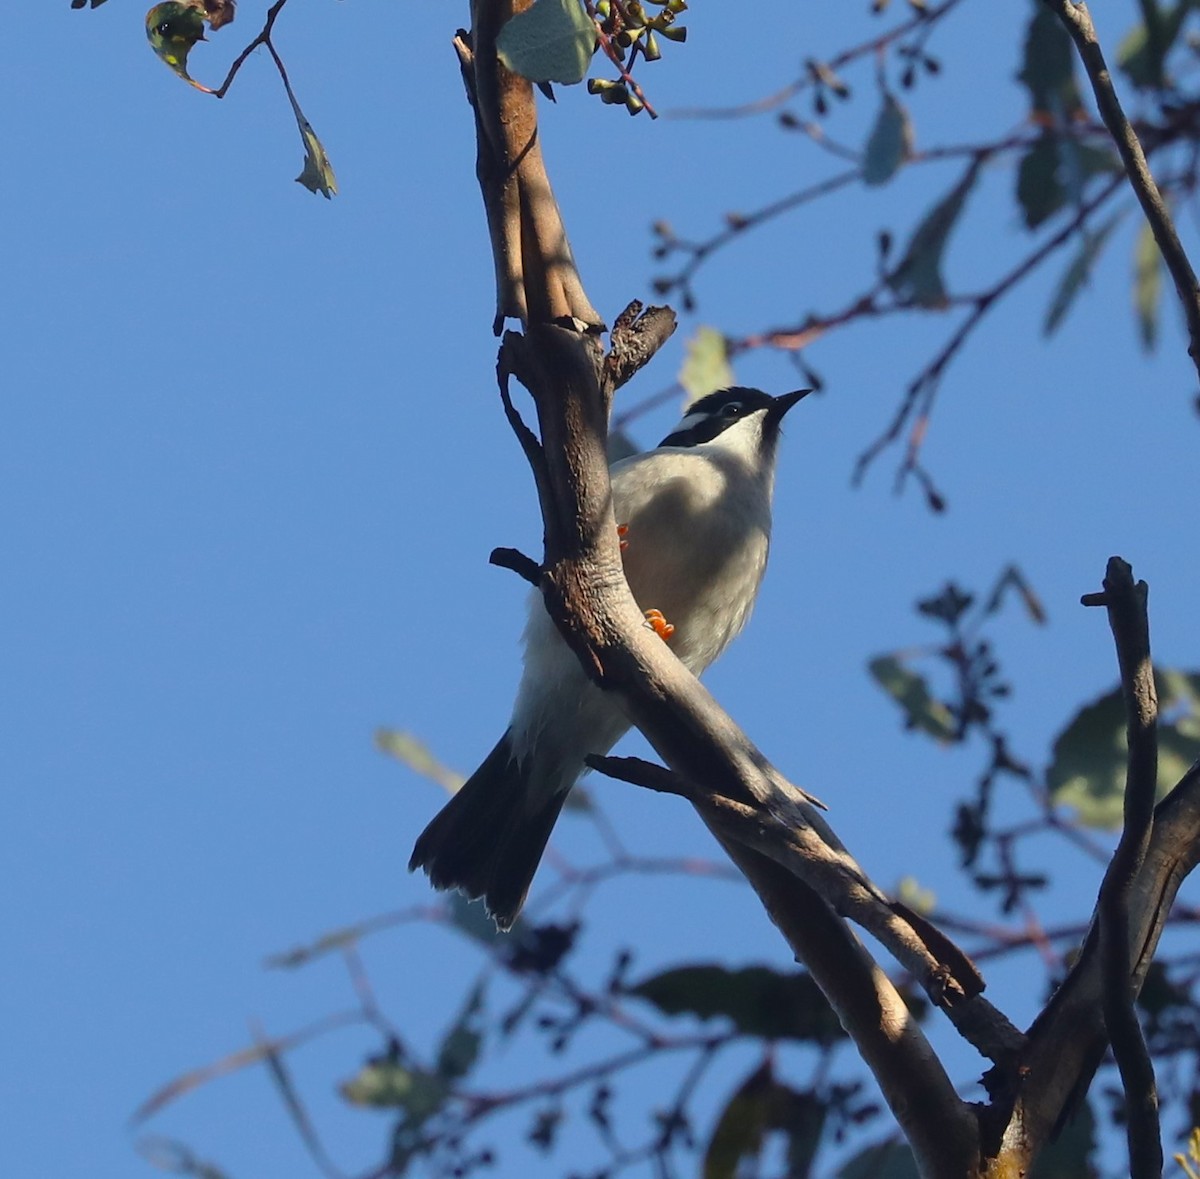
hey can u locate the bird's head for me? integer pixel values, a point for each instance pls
(738, 419)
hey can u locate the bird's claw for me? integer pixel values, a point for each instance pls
(660, 626)
(622, 530)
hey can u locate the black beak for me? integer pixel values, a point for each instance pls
(784, 402)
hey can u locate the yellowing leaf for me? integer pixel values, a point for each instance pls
(551, 41)
(922, 710)
(172, 29)
(707, 367)
(317, 174)
(416, 755)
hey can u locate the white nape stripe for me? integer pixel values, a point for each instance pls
(689, 421)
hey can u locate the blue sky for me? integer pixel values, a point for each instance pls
(253, 463)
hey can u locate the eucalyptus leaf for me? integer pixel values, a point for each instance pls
(759, 1106)
(387, 1083)
(1142, 55)
(172, 30)
(415, 754)
(1088, 760)
(1147, 285)
(741, 1126)
(922, 710)
(759, 1001)
(1077, 274)
(884, 1160)
(1040, 191)
(889, 144)
(919, 275)
(461, 1045)
(706, 367)
(1068, 1155)
(1048, 67)
(317, 174)
(551, 41)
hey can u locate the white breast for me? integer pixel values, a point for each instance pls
(699, 524)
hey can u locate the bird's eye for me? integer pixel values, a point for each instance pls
(732, 409)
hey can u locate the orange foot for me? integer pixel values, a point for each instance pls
(660, 625)
(622, 530)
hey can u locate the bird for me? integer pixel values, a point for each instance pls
(694, 518)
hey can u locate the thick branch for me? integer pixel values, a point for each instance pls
(536, 277)
(1127, 616)
(1067, 1041)
(938, 1127)
(1078, 23)
(559, 360)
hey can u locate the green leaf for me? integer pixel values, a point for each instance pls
(741, 1126)
(920, 900)
(317, 173)
(1087, 768)
(1048, 68)
(707, 367)
(172, 29)
(921, 709)
(1040, 192)
(919, 275)
(1147, 285)
(385, 1082)
(1078, 273)
(460, 1046)
(1141, 56)
(884, 1160)
(1069, 1154)
(758, 1106)
(759, 1001)
(889, 144)
(551, 41)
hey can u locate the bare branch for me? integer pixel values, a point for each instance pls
(1127, 615)
(812, 853)
(925, 18)
(518, 562)
(263, 38)
(638, 333)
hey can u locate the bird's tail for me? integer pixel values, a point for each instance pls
(488, 839)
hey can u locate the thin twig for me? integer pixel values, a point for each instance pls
(263, 38)
(924, 17)
(922, 390)
(1077, 20)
